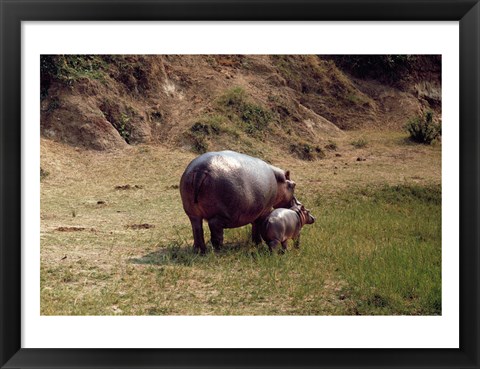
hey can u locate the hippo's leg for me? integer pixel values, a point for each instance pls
(273, 245)
(296, 242)
(216, 232)
(256, 236)
(198, 240)
(284, 246)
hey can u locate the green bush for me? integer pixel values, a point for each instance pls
(423, 129)
(237, 106)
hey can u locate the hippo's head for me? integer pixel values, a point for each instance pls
(310, 218)
(285, 191)
(305, 216)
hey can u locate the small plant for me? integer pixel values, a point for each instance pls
(331, 146)
(233, 97)
(360, 143)
(198, 133)
(122, 129)
(198, 141)
(43, 174)
(205, 129)
(423, 129)
(306, 152)
(255, 118)
(200, 145)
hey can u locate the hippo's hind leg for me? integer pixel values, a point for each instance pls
(198, 240)
(216, 231)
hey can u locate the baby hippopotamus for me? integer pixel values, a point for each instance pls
(284, 224)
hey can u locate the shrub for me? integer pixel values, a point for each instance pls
(70, 68)
(423, 129)
(255, 118)
(238, 108)
(332, 146)
(205, 128)
(123, 128)
(382, 67)
(43, 174)
(198, 133)
(358, 144)
(199, 143)
(306, 152)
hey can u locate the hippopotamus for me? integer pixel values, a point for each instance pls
(230, 190)
(284, 224)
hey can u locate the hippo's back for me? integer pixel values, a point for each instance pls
(231, 185)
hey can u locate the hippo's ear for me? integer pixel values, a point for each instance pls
(287, 174)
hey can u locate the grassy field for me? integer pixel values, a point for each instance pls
(115, 239)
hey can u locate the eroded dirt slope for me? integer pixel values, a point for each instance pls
(205, 102)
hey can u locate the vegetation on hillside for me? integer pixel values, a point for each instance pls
(297, 101)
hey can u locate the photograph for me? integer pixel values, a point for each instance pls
(240, 185)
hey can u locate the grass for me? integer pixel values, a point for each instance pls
(379, 237)
(375, 248)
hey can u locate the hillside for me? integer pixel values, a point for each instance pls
(296, 103)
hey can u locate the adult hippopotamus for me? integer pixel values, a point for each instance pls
(230, 190)
(284, 224)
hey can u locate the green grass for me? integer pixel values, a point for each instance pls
(372, 251)
(386, 245)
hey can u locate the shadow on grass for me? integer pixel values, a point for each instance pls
(183, 254)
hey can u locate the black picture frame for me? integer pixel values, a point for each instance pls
(467, 12)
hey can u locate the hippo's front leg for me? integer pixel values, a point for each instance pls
(256, 227)
(273, 245)
(296, 242)
(216, 231)
(198, 240)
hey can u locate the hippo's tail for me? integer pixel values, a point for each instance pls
(198, 179)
